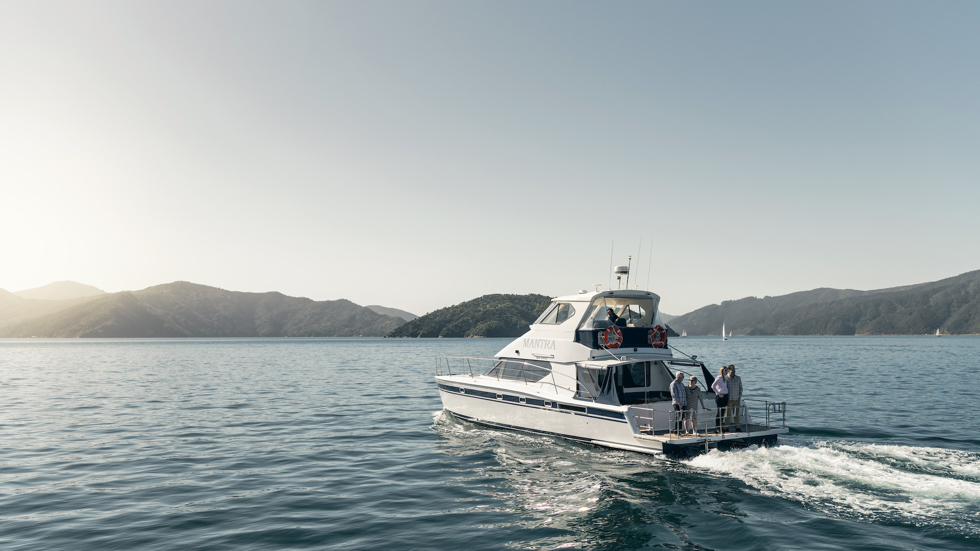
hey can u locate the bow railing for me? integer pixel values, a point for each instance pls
(473, 366)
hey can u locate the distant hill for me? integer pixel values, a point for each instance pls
(951, 305)
(394, 312)
(184, 309)
(61, 290)
(487, 316)
(14, 308)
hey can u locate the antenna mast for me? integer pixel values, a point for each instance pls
(649, 264)
(636, 284)
(611, 249)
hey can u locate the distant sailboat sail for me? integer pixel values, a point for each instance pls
(724, 337)
(684, 333)
(938, 334)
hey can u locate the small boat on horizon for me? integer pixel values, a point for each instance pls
(724, 337)
(684, 333)
(938, 334)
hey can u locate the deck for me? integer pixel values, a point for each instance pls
(751, 431)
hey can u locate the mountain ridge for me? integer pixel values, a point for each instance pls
(61, 290)
(394, 312)
(951, 305)
(184, 309)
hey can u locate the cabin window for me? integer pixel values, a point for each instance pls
(636, 375)
(591, 381)
(548, 312)
(530, 371)
(558, 313)
(565, 311)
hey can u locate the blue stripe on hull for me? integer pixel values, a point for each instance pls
(520, 429)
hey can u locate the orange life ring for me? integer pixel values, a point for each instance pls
(658, 337)
(612, 337)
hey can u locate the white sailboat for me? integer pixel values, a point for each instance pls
(724, 336)
(684, 333)
(938, 334)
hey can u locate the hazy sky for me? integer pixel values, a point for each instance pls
(418, 154)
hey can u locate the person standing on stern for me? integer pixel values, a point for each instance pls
(691, 411)
(720, 386)
(678, 398)
(734, 396)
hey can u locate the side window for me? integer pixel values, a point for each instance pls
(565, 311)
(557, 314)
(548, 314)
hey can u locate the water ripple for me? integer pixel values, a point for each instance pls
(341, 444)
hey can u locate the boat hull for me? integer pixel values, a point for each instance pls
(598, 426)
(611, 426)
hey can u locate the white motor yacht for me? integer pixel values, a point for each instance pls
(585, 375)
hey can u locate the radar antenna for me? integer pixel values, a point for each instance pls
(621, 271)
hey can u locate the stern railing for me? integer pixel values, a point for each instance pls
(735, 419)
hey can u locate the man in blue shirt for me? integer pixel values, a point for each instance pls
(678, 397)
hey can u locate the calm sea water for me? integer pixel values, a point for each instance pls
(340, 444)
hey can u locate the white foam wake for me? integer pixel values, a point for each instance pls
(920, 485)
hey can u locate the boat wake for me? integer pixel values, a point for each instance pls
(920, 486)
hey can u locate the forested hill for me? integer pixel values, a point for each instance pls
(487, 316)
(183, 309)
(951, 305)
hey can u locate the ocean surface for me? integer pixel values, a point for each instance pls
(241, 444)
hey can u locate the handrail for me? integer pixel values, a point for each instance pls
(775, 417)
(676, 420)
(523, 363)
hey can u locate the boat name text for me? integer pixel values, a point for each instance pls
(539, 343)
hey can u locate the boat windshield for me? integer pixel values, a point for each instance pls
(635, 312)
